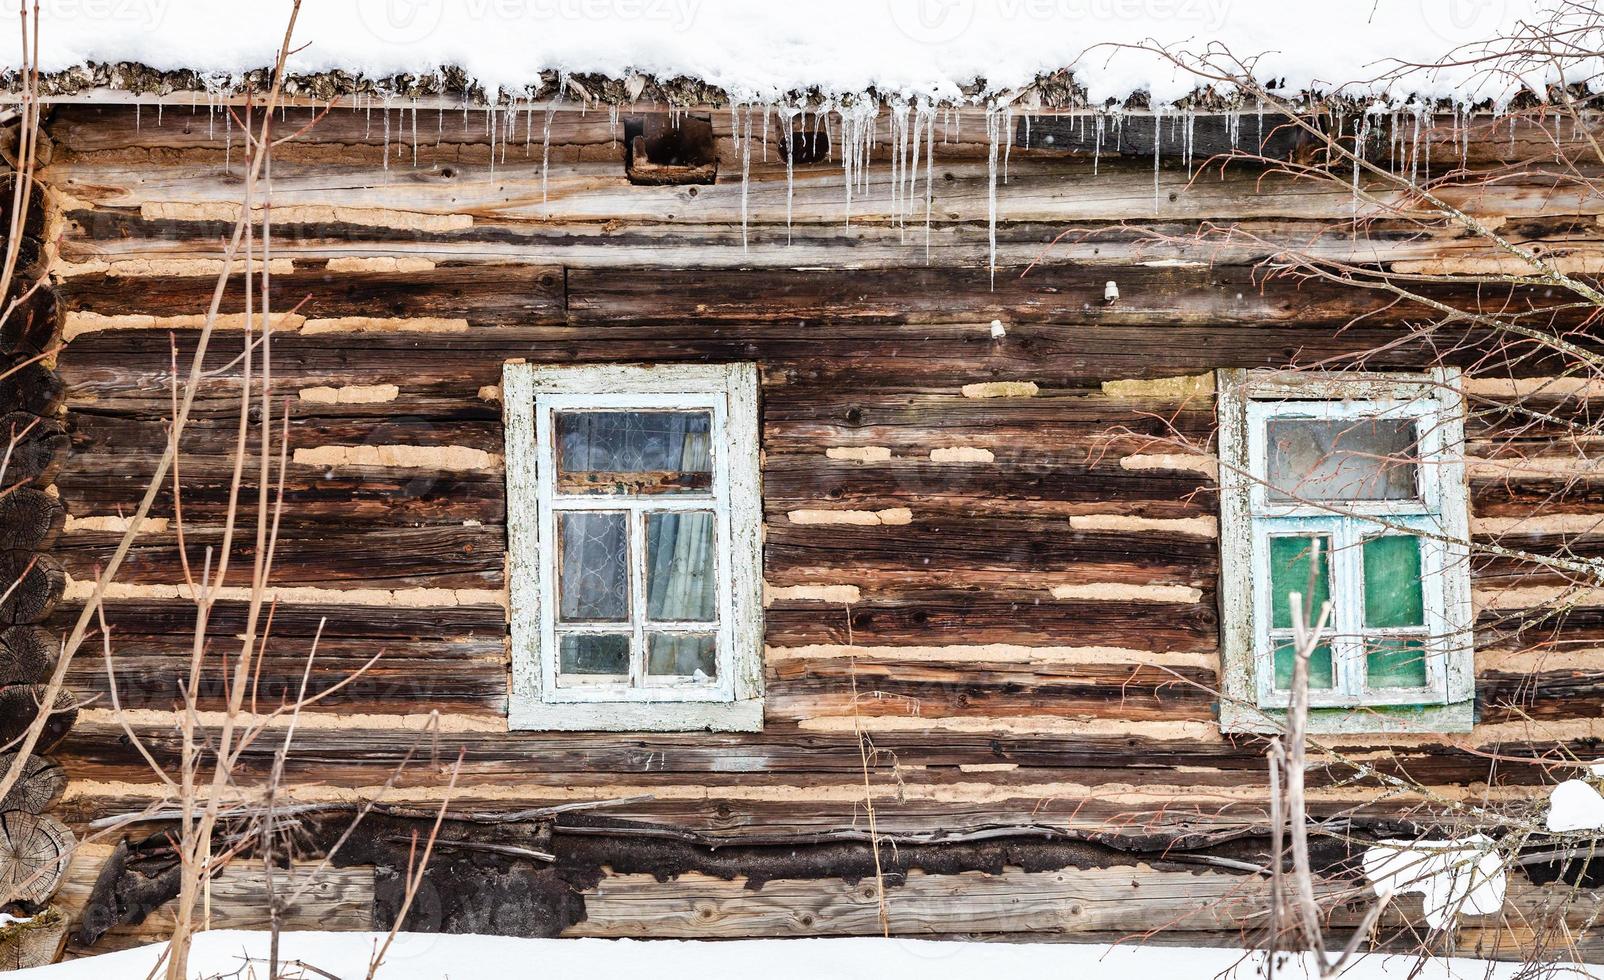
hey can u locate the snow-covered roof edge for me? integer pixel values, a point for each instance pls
(130, 82)
(830, 52)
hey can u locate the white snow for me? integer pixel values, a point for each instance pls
(417, 956)
(1575, 805)
(760, 50)
(1454, 877)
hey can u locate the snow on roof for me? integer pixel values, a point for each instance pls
(769, 50)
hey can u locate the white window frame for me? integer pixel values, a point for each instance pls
(1439, 516)
(531, 394)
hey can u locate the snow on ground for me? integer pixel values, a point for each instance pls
(1453, 877)
(417, 956)
(759, 50)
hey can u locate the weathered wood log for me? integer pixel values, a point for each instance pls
(34, 941)
(42, 782)
(34, 853)
(33, 388)
(127, 889)
(27, 655)
(1192, 137)
(38, 447)
(20, 705)
(39, 582)
(33, 326)
(30, 518)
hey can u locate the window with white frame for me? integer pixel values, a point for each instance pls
(1349, 490)
(634, 531)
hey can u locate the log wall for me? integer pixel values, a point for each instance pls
(975, 557)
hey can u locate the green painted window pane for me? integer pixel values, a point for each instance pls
(593, 653)
(1392, 581)
(1321, 677)
(1396, 663)
(1291, 558)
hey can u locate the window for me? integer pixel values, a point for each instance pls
(1349, 489)
(633, 525)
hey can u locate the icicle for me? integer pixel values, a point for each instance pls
(1097, 143)
(1008, 140)
(930, 176)
(1158, 137)
(545, 151)
(137, 108)
(994, 122)
(1184, 121)
(1414, 148)
(746, 170)
(788, 120)
(414, 134)
(1361, 134)
(158, 113)
(386, 111)
(920, 116)
(228, 130)
(490, 131)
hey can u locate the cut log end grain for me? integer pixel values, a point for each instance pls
(34, 853)
(19, 705)
(39, 584)
(27, 655)
(30, 518)
(39, 786)
(36, 941)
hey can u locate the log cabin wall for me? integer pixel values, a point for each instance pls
(975, 560)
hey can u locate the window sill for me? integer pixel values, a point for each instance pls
(1436, 719)
(638, 716)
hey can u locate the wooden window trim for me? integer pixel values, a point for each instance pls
(1243, 599)
(536, 703)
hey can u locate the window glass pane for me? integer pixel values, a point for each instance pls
(1393, 595)
(681, 568)
(594, 653)
(1321, 677)
(682, 655)
(634, 452)
(1291, 563)
(1396, 663)
(1341, 459)
(593, 574)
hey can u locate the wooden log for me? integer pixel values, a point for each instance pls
(42, 782)
(1192, 137)
(30, 519)
(27, 655)
(38, 447)
(19, 705)
(35, 851)
(34, 941)
(33, 388)
(33, 326)
(39, 583)
(487, 294)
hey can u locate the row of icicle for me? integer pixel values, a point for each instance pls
(855, 132)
